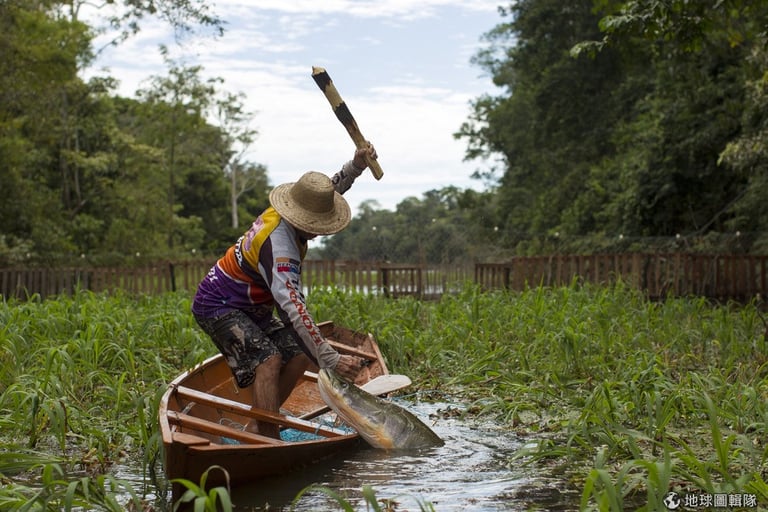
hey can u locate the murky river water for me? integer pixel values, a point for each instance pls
(471, 472)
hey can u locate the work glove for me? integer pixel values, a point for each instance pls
(349, 366)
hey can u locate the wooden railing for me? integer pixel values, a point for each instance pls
(722, 277)
(155, 278)
(388, 279)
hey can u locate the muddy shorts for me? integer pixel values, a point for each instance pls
(245, 345)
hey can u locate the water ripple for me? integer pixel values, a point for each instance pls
(469, 472)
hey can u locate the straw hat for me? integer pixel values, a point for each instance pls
(311, 204)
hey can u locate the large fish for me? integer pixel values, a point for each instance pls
(380, 422)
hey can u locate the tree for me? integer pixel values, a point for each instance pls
(447, 225)
(178, 103)
(243, 177)
(555, 116)
(82, 168)
(615, 117)
(124, 17)
(204, 163)
(38, 140)
(747, 155)
(252, 191)
(705, 56)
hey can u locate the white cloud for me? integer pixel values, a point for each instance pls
(408, 107)
(406, 9)
(413, 136)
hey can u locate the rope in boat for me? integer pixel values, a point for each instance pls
(290, 435)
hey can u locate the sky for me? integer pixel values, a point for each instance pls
(402, 66)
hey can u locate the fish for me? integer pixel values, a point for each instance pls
(380, 422)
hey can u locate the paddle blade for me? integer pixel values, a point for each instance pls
(385, 384)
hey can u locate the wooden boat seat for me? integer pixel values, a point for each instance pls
(201, 398)
(217, 429)
(346, 349)
(190, 439)
(308, 376)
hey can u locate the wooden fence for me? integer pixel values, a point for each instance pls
(722, 277)
(367, 277)
(395, 280)
(155, 278)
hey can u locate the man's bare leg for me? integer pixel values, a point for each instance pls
(266, 395)
(290, 375)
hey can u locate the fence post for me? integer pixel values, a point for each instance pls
(384, 280)
(420, 282)
(172, 276)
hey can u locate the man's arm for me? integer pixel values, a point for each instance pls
(283, 266)
(349, 172)
(280, 264)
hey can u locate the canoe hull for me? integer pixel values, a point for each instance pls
(245, 464)
(202, 412)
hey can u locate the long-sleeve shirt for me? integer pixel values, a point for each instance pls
(261, 272)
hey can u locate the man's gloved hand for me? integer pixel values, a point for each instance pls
(359, 160)
(349, 366)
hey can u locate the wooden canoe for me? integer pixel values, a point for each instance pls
(202, 409)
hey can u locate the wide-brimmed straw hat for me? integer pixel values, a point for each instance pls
(311, 204)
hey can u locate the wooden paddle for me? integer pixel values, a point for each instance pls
(385, 384)
(381, 385)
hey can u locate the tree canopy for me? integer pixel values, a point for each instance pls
(88, 174)
(618, 125)
(638, 118)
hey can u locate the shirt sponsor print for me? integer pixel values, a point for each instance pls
(297, 299)
(257, 225)
(288, 265)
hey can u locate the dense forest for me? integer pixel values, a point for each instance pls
(642, 118)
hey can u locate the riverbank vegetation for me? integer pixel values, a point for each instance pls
(621, 399)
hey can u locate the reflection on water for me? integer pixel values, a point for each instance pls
(470, 472)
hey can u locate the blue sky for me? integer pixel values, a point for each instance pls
(402, 66)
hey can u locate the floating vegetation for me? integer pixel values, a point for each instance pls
(626, 398)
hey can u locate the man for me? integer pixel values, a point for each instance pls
(261, 272)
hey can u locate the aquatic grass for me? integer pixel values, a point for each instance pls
(202, 499)
(81, 378)
(671, 393)
(608, 489)
(14, 461)
(588, 366)
(372, 502)
(759, 487)
(54, 491)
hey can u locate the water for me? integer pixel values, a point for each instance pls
(471, 472)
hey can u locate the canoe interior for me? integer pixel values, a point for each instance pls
(203, 411)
